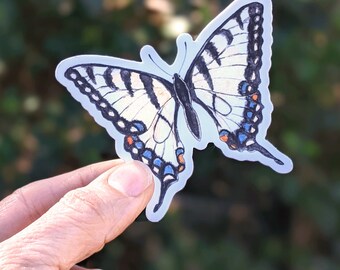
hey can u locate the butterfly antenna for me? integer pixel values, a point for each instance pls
(159, 66)
(185, 56)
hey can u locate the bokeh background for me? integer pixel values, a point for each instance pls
(231, 215)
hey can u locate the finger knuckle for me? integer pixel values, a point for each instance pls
(19, 197)
(87, 202)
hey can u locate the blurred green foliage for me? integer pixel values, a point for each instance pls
(232, 215)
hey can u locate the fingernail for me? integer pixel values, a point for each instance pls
(131, 178)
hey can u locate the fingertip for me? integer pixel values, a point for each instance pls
(131, 178)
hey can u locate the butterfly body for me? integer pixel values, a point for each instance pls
(183, 95)
(216, 91)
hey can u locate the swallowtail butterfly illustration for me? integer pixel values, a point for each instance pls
(215, 91)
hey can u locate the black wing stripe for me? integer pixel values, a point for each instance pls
(147, 82)
(227, 34)
(203, 69)
(213, 52)
(126, 78)
(239, 20)
(108, 78)
(90, 73)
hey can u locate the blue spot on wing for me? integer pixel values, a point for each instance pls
(139, 126)
(252, 105)
(224, 132)
(169, 170)
(139, 145)
(147, 154)
(179, 151)
(247, 126)
(158, 162)
(242, 137)
(243, 87)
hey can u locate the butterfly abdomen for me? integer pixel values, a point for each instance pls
(184, 97)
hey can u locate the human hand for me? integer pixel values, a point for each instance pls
(57, 222)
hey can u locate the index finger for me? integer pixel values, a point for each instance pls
(28, 203)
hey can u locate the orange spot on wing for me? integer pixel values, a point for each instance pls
(224, 138)
(255, 97)
(180, 158)
(129, 140)
(181, 168)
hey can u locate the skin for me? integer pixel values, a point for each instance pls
(57, 222)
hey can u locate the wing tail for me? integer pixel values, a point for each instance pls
(168, 175)
(256, 147)
(164, 187)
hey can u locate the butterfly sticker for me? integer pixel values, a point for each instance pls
(216, 91)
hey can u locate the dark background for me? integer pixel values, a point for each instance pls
(231, 215)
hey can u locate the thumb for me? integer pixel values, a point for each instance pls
(83, 220)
